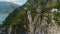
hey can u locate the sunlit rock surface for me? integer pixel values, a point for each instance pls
(49, 28)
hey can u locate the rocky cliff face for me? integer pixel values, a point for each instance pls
(46, 27)
(51, 28)
(36, 17)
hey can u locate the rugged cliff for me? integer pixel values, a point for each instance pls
(35, 17)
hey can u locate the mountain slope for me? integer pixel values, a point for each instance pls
(34, 18)
(6, 7)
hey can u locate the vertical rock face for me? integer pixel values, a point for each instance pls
(30, 23)
(51, 28)
(46, 27)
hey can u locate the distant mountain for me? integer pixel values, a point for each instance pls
(6, 7)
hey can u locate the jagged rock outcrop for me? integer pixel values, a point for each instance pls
(35, 18)
(46, 27)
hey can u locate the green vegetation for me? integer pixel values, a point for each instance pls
(19, 17)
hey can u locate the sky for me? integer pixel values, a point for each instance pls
(19, 2)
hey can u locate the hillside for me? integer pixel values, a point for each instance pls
(5, 9)
(34, 17)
